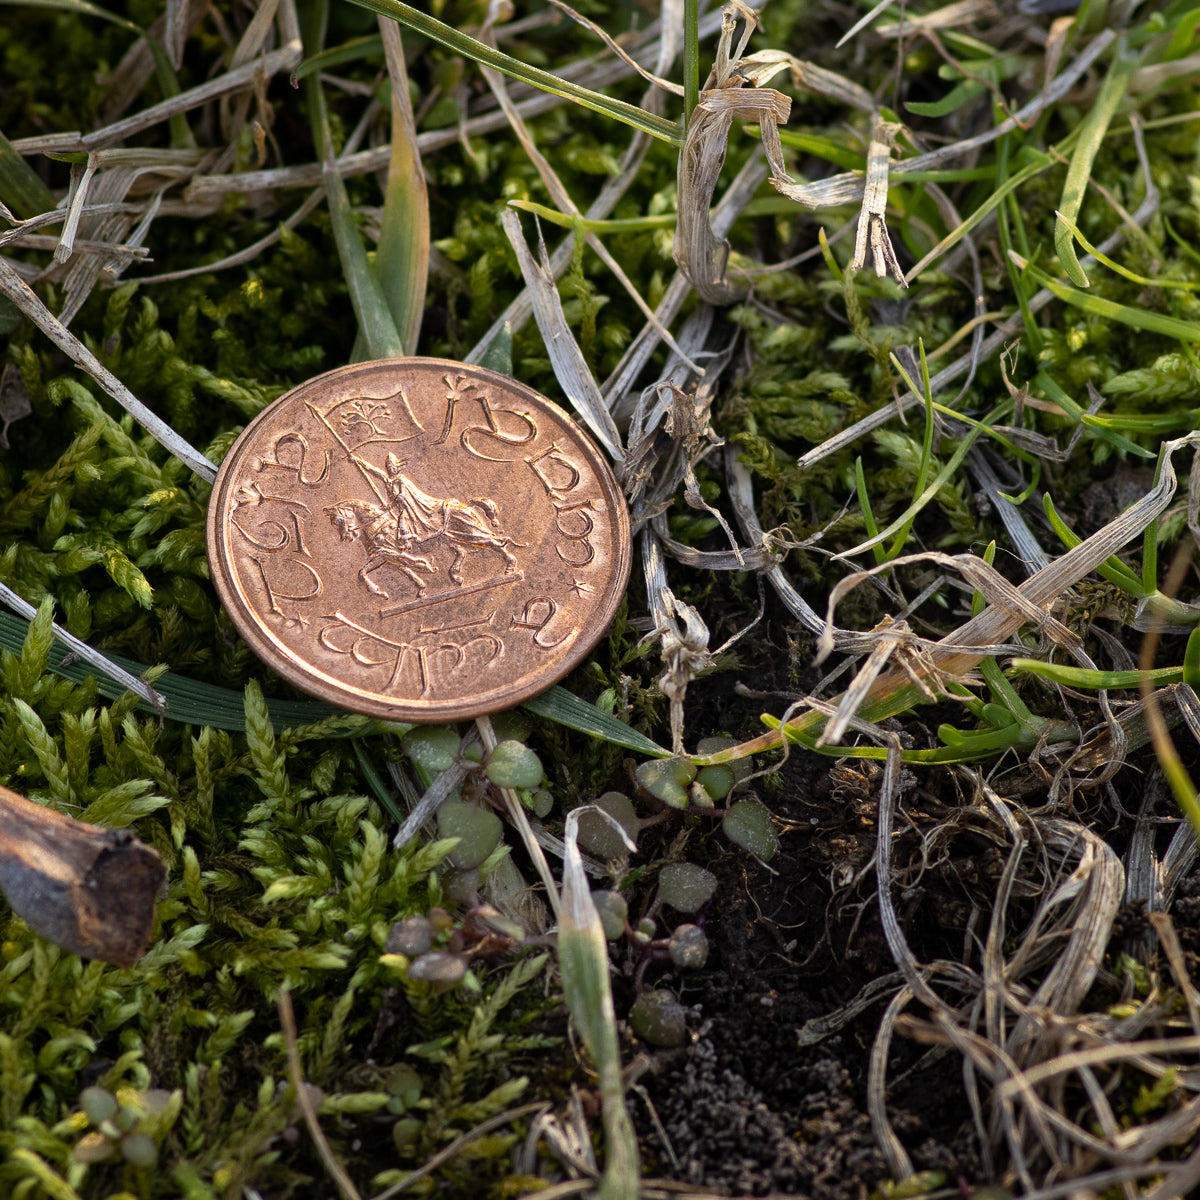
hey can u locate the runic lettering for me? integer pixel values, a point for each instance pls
(464, 388)
(286, 536)
(530, 619)
(459, 649)
(295, 439)
(548, 464)
(494, 647)
(365, 647)
(274, 595)
(581, 511)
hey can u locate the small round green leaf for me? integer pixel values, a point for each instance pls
(685, 887)
(99, 1104)
(748, 824)
(139, 1149)
(432, 747)
(438, 966)
(668, 779)
(477, 829)
(410, 937)
(596, 834)
(613, 912)
(514, 765)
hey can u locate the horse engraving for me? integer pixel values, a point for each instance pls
(413, 518)
(386, 540)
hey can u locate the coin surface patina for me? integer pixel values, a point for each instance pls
(418, 539)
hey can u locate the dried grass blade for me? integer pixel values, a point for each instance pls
(1094, 892)
(872, 226)
(698, 251)
(516, 814)
(81, 650)
(863, 22)
(741, 497)
(250, 252)
(894, 692)
(563, 199)
(618, 388)
(283, 59)
(681, 630)
(520, 310)
(435, 796)
(614, 47)
(948, 17)
(304, 1100)
(24, 297)
(570, 369)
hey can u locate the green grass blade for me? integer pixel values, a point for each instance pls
(827, 148)
(336, 56)
(1191, 660)
(1081, 677)
(461, 43)
(21, 188)
(906, 518)
(994, 200)
(1075, 411)
(868, 514)
(1112, 569)
(1124, 272)
(1091, 136)
(564, 707)
(375, 322)
(926, 449)
(81, 8)
(1136, 318)
(613, 225)
(1185, 34)
(402, 257)
(583, 960)
(188, 700)
(691, 59)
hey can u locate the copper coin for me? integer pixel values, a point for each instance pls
(418, 539)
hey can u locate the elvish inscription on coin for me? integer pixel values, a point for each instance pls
(418, 539)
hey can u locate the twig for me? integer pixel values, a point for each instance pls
(287, 1018)
(448, 1152)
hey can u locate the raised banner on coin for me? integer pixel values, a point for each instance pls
(418, 539)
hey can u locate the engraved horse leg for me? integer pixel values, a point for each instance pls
(373, 563)
(417, 561)
(510, 563)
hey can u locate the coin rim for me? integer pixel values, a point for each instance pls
(301, 674)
